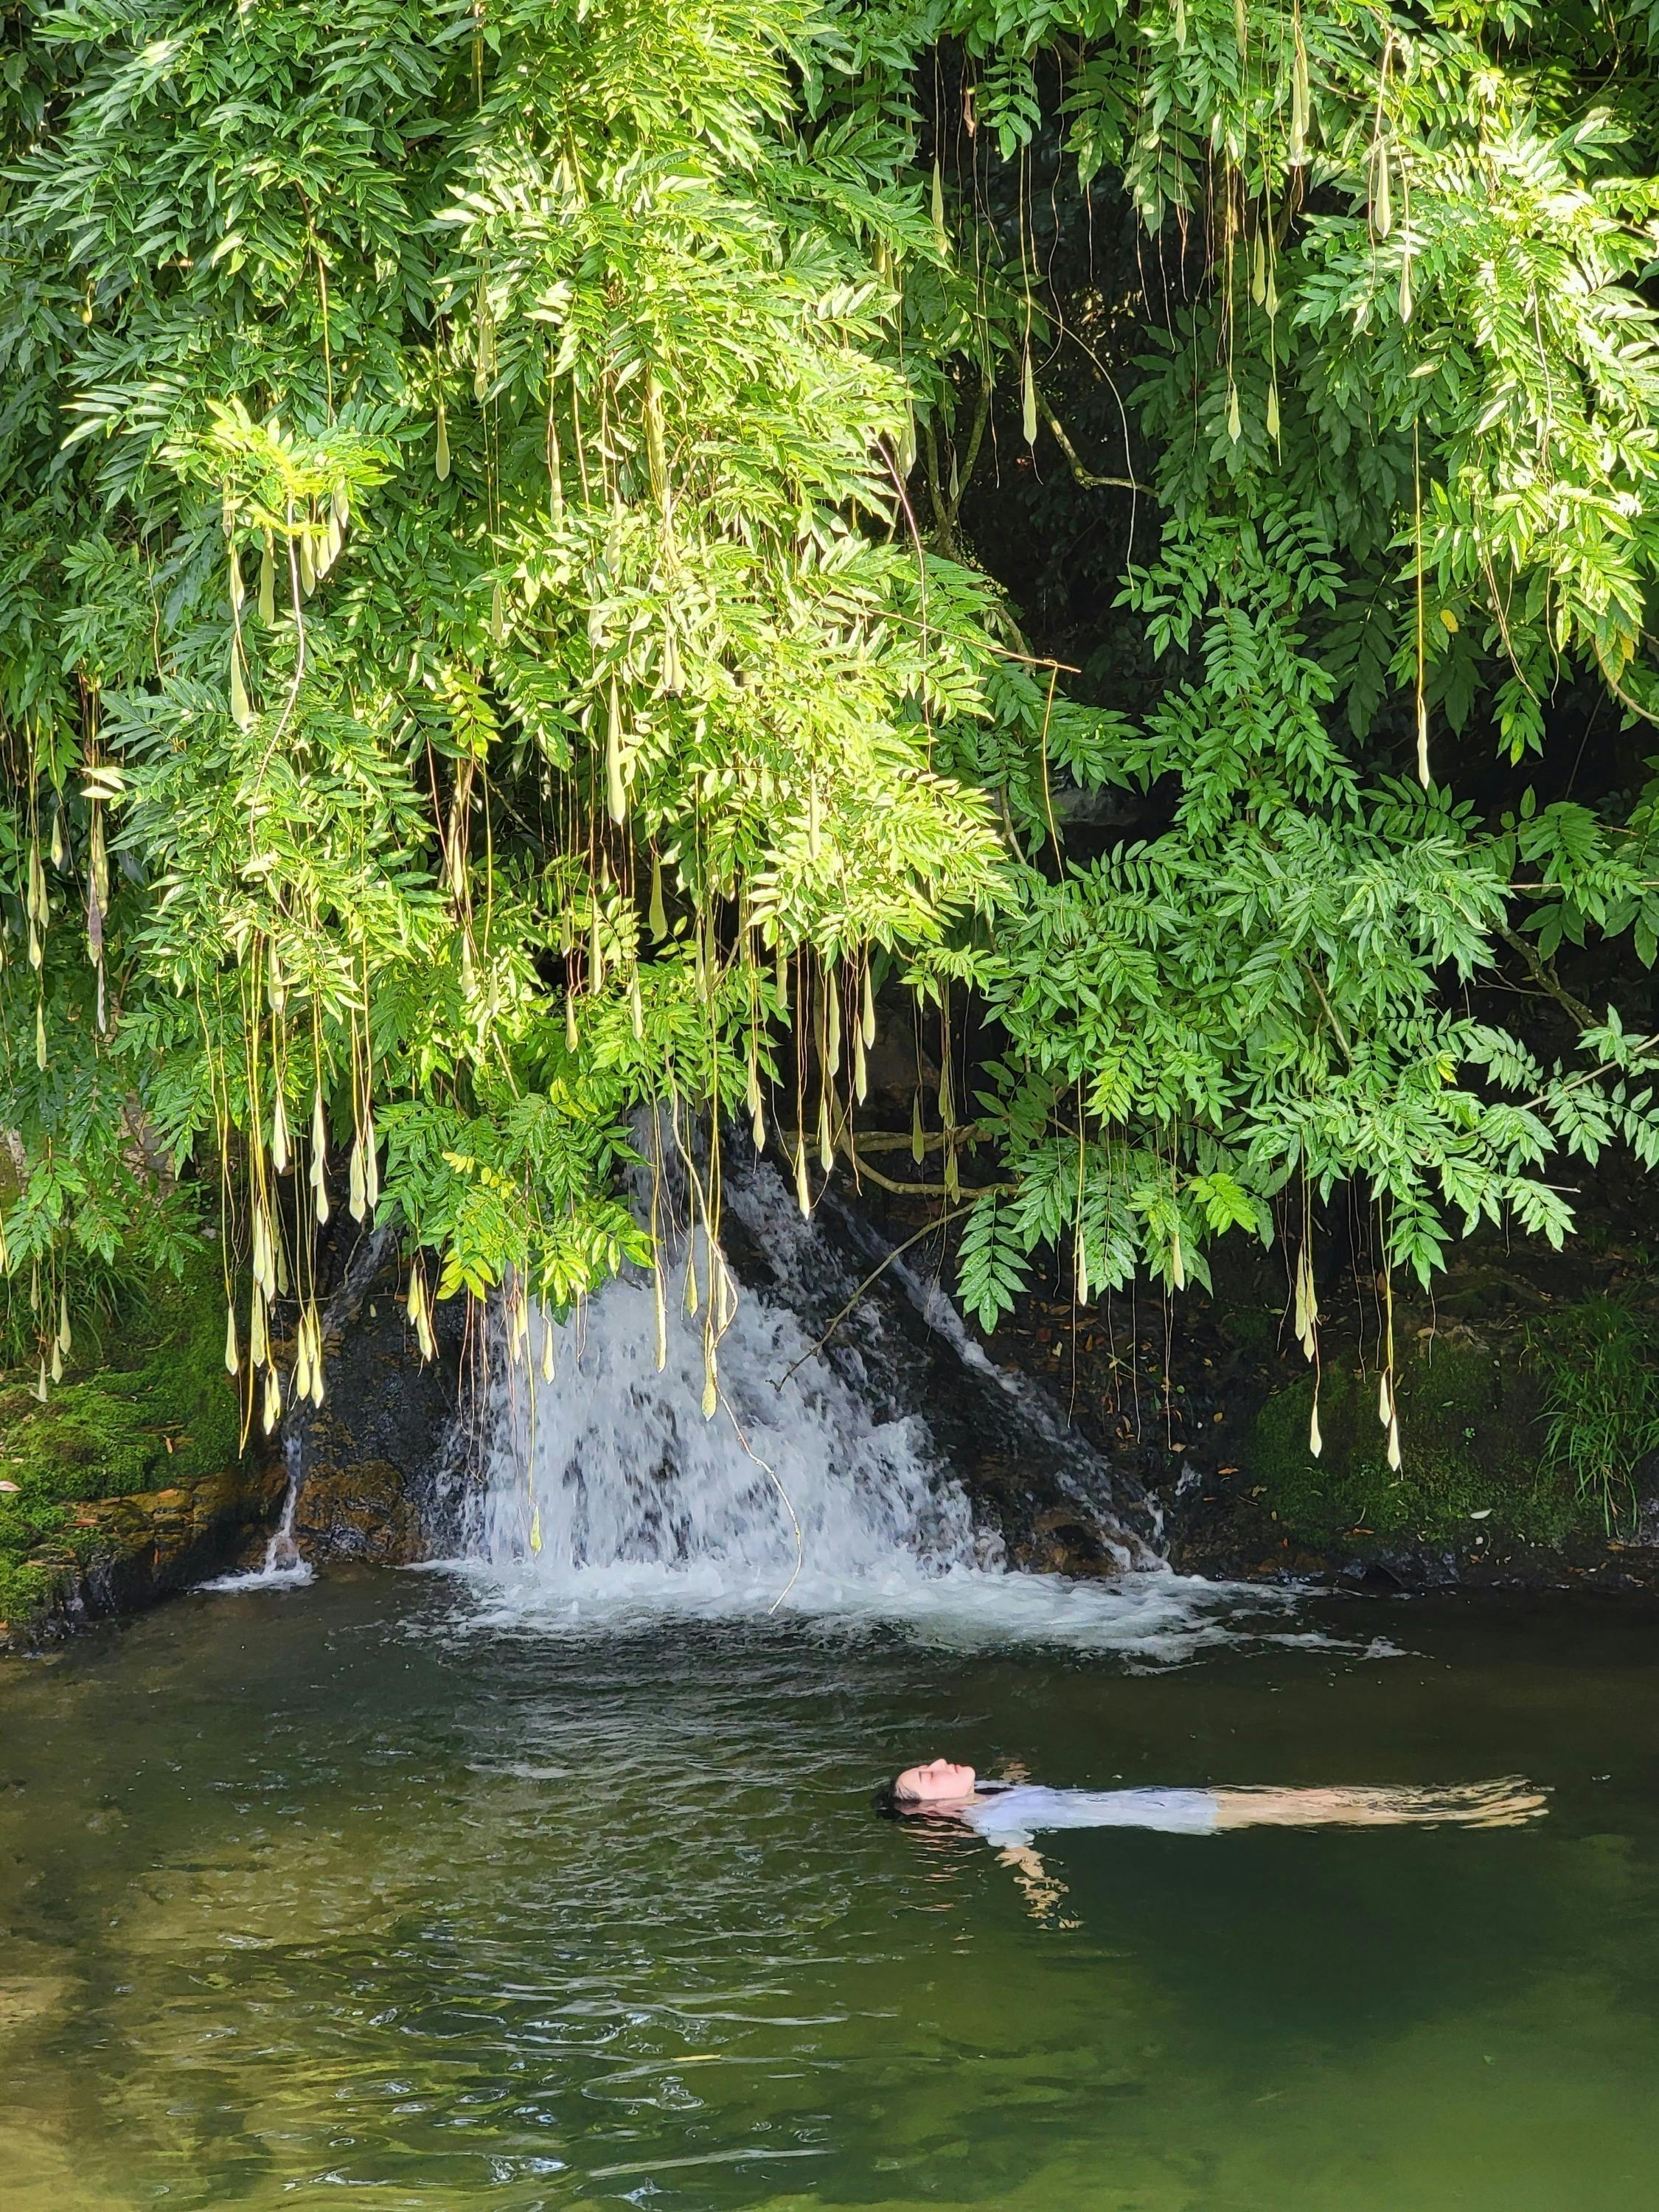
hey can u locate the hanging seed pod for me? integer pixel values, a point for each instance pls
(57, 855)
(233, 1356)
(441, 461)
(918, 1140)
(1272, 411)
(1259, 271)
(860, 1069)
(318, 1175)
(1394, 1445)
(595, 955)
(826, 1140)
(1382, 196)
(308, 564)
(333, 541)
(547, 1350)
(1177, 1263)
(1406, 288)
(41, 1035)
(265, 1254)
(940, 232)
(1272, 301)
(280, 1156)
(273, 1410)
(803, 1188)
(1028, 417)
(659, 1310)
(658, 914)
(240, 713)
(1300, 103)
(616, 792)
(40, 907)
(56, 1361)
(635, 1006)
(65, 1341)
(357, 1201)
(711, 1394)
(1423, 743)
(371, 1161)
(831, 1022)
(303, 1360)
(1081, 1283)
(40, 1386)
(1235, 421)
(572, 1037)
(258, 1339)
(497, 613)
(267, 584)
(1384, 1399)
(236, 591)
(1315, 1441)
(693, 1293)
(952, 1181)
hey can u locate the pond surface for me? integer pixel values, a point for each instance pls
(347, 1895)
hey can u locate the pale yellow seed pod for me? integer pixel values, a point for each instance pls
(1315, 1441)
(233, 1356)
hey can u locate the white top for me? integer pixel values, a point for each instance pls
(1013, 1816)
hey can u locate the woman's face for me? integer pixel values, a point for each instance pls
(940, 1782)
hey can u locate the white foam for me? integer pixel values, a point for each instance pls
(294, 1576)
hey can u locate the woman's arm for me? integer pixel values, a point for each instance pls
(1042, 1890)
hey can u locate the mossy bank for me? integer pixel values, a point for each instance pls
(130, 1477)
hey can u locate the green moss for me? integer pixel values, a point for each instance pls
(1470, 1446)
(161, 1412)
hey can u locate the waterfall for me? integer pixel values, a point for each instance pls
(814, 1488)
(281, 1567)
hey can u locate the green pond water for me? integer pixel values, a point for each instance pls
(342, 1895)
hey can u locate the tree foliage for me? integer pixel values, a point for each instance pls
(496, 626)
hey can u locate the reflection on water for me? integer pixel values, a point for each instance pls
(345, 1888)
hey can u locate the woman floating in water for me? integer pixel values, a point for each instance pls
(1010, 1814)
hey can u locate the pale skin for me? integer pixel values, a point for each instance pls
(944, 1786)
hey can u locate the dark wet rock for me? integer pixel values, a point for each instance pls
(123, 1554)
(382, 1462)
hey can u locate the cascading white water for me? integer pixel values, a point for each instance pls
(609, 1499)
(282, 1566)
(607, 1481)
